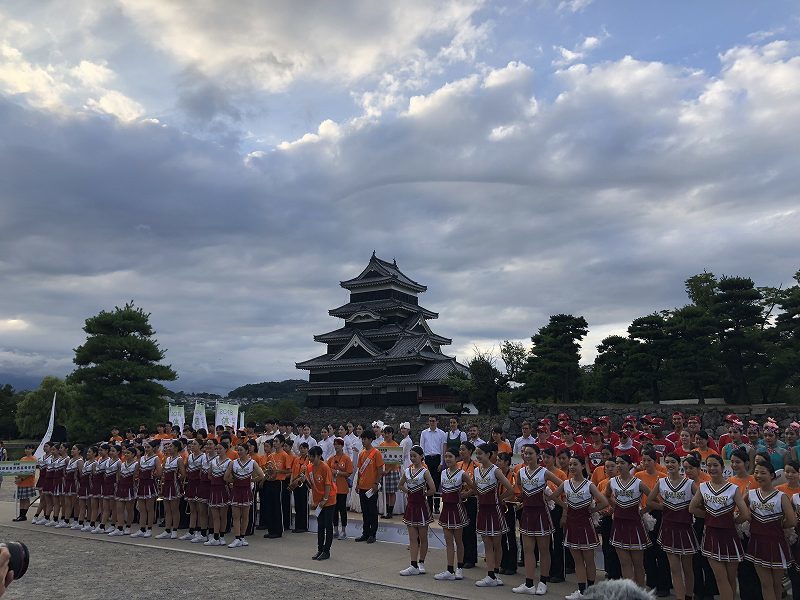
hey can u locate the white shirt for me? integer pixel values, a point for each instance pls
(406, 443)
(377, 441)
(432, 441)
(327, 448)
(477, 441)
(521, 441)
(300, 439)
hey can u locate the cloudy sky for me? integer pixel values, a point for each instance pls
(226, 167)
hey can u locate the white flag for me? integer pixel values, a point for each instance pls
(40, 450)
(227, 414)
(177, 415)
(241, 420)
(199, 419)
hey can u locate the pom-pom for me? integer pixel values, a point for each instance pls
(649, 521)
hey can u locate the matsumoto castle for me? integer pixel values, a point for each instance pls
(385, 352)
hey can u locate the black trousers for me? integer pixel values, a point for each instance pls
(340, 510)
(656, 565)
(286, 504)
(263, 505)
(325, 528)
(300, 507)
(747, 576)
(557, 544)
(369, 513)
(508, 542)
(433, 461)
(274, 514)
(705, 584)
(470, 536)
(610, 557)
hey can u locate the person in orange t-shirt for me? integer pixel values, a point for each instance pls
(299, 488)
(342, 467)
(275, 471)
(370, 472)
(391, 473)
(791, 470)
(323, 498)
(286, 493)
(25, 485)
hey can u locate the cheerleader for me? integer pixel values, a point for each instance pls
(219, 495)
(43, 485)
(672, 495)
(490, 522)
(715, 501)
(174, 472)
(456, 486)
(771, 511)
(70, 490)
(580, 536)
(25, 485)
(749, 583)
(196, 463)
(469, 536)
(57, 473)
(109, 455)
(416, 483)
(146, 491)
(794, 572)
(125, 491)
(535, 524)
(85, 470)
(242, 472)
(342, 467)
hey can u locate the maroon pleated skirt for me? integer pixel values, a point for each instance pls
(146, 489)
(218, 496)
(490, 520)
(722, 544)
(769, 549)
(629, 534)
(70, 487)
(417, 513)
(579, 533)
(535, 520)
(453, 515)
(677, 538)
(241, 494)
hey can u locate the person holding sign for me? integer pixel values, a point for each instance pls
(323, 501)
(416, 482)
(391, 473)
(25, 485)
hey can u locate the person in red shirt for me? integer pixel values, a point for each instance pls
(610, 438)
(726, 438)
(585, 425)
(323, 499)
(694, 426)
(543, 438)
(677, 426)
(627, 445)
(593, 450)
(568, 443)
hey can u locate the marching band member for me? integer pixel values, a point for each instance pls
(173, 473)
(416, 483)
(219, 495)
(323, 498)
(299, 488)
(456, 486)
(469, 536)
(490, 522)
(715, 502)
(342, 467)
(146, 492)
(242, 472)
(124, 491)
(275, 471)
(370, 471)
(535, 524)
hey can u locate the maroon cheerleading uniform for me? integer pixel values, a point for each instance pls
(85, 480)
(146, 488)
(125, 489)
(242, 491)
(720, 539)
(170, 486)
(96, 481)
(490, 520)
(627, 529)
(45, 483)
(453, 515)
(535, 517)
(219, 494)
(417, 513)
(110, 478)
(579, 533)
(767, 546)
(194, 475)
(58, 467)
(204, 483)
(71, 478)
(677, 533)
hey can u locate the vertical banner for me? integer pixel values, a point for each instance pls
(199, 418)
(227, 414)
(241, 420)
(177, 415)
(40, 450)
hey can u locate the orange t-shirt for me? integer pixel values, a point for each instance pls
(115, 439)
(702, 477)
(321, 477)
(598, 475)
(784, 487)
(344, 465)
(261, 459)
(744, 485)
(392, 444)
(558, 473)
(232, 454)
(468, 468)
(370, 462)
(30, 480)
(298, 464)
(649, 480)
(505, 447)
(279, 461)
(162, 436)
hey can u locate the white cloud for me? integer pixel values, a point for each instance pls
(19, 76)
(566, 56)
(13, 324)
(116, 104)
(573, 6)
(92, 75)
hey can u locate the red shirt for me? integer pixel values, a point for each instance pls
(595, 456)
(574, 450)
(632, 452)
(663, 446)
(727, 438)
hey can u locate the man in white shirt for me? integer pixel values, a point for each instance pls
(474, 437)
(432, 440)
(525, 438)
(306, 437)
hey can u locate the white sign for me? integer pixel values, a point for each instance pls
(177, 415)
(199, 419)
(227, 414)
(391, 455)
(17, 467)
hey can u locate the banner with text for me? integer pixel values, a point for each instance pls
(199, 418)
(17, 467)
(227, 414)
(177, 415)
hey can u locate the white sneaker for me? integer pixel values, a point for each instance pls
(445, 576)
(222, 541)
(198, 539)
(541, 588)
(212, 542)
(576, 595)
(126, 531)
(244, 542)
(49, 523)
(60, 525)
(173, 535)
(147, 533)
(108, 529)
(486, 582)
(137, 534)
(187, 536)
(77, 526)
(163, 536)
(410, 570)
(116, 532)
(236, 543)
(498, 580)
(524, 589)
(87, 528)
(421, 567)
(459, 573)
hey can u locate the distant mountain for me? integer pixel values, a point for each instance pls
(20, 383)
(270, 389)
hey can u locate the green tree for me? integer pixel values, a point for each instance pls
(118, 371)
(462, 386)
(552, 369)
(693, 353)
(613, 369)
(33, 411)
(649, 351)
(701, 289)
(781, 342)
(514, 355)
(8, 412)
(486, 380)
(258, 412)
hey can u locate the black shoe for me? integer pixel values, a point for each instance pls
(361, 538)
(371, 539)
(324, 555)
(521, 563)
(20, 518)
(469, 565)
(662, 593)
(556, 580)
(317, 555)
(299, 530)
(262, 527)
(386, 516)
(569, 570)
(273, 536)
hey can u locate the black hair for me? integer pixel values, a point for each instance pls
(504, 456)
(762, 455)
(703, 434)
(368, 434)
(741, 454)
(418, 450)
(388, 429)
(692, 460)
(469, 446)
(315, 451)
(280, 437)
(251, 424)
(225, 445)
(155, 444)
(488, 448)
(626, 457)
(650, 452)
(768, 466)
(202, 432)
(94, 449)
(533, 447)
(560, 451)
(30, 447)
(497, 429)
(305, 445)
(674, 456)
(792, 463)
(252, 444)
(550, 451)
(178, 445)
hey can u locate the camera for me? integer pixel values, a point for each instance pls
(20, 556)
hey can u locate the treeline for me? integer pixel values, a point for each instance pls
(278, 390)
(732, 340)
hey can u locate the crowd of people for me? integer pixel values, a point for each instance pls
(670, 507)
